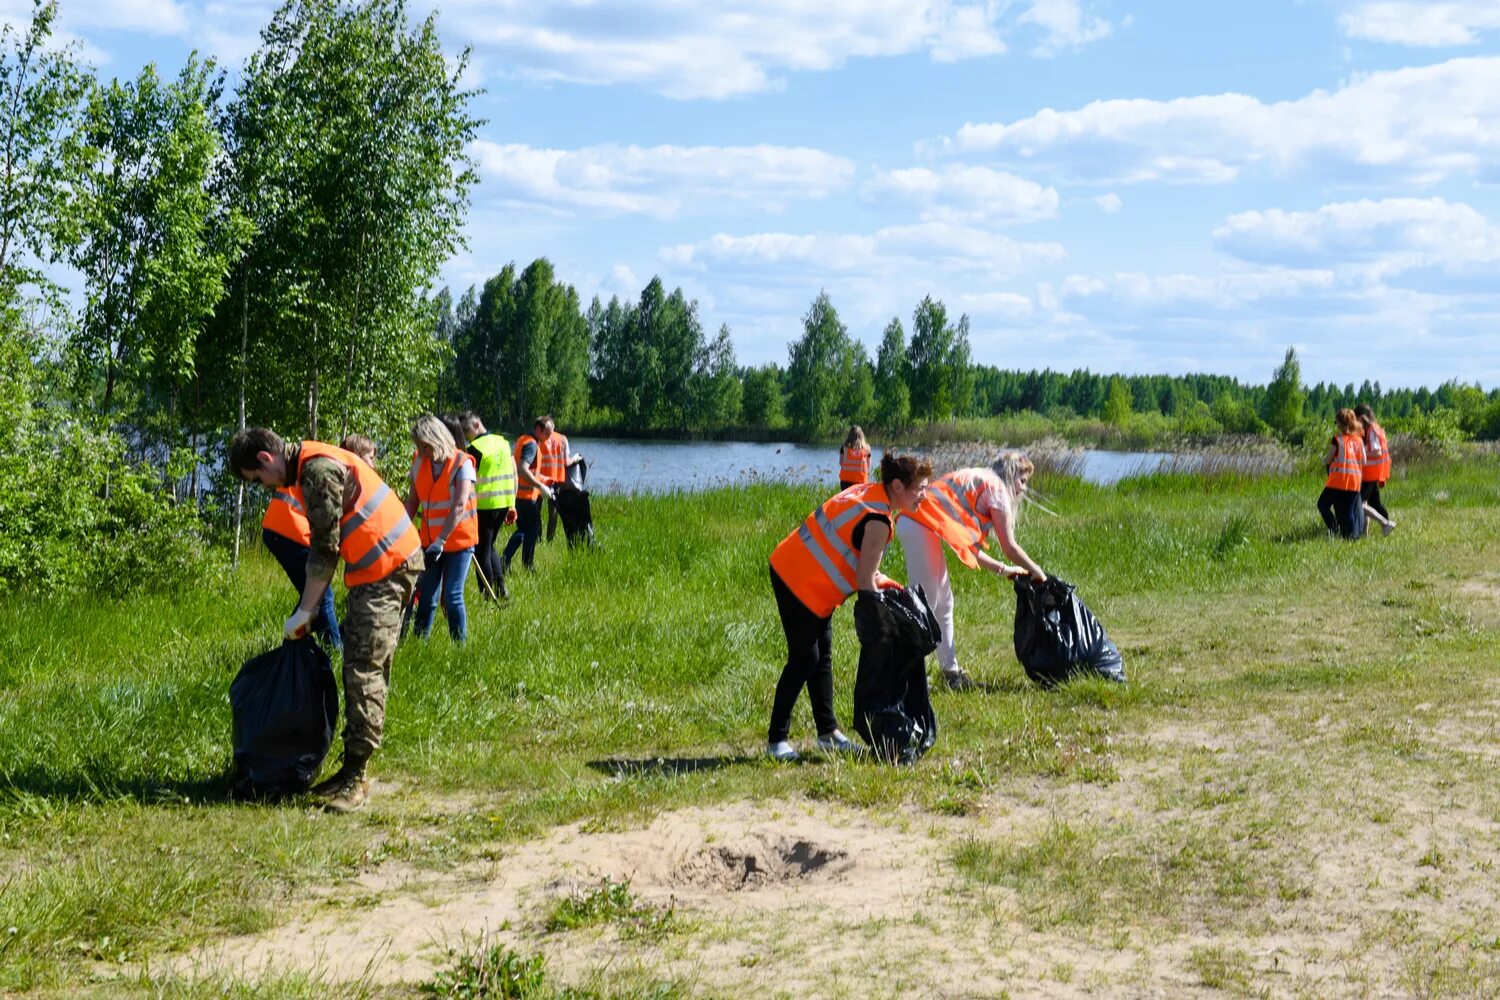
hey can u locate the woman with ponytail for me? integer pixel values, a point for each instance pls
(962, 508)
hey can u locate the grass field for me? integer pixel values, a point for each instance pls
(1294, 796)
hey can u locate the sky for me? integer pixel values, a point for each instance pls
(1118, 185)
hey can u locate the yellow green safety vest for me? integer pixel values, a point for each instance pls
(496, 488)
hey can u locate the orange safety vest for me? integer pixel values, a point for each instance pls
(437, 500)
(1343, 472)
(552, 459)
(854, 466)
(375, 535)
(818, 560)
(524, 490)
(1376, 467)
(951, 511)
(285, 516)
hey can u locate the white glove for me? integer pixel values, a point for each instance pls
(296, 626)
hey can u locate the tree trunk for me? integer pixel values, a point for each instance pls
(312, 388)
(239, 495)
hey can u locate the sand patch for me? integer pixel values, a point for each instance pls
(394, 923)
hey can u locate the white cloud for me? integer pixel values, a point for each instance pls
(966, 194)
(657, 180)
(1394, 234)
(692, 49)
(1109, 203)
(1417, 124)
(1067, 24)
(77, 18)
(887, 251)
(1420, 23)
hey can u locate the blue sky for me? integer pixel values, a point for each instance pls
(1120, 185)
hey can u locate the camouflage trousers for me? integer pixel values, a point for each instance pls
(372, 628)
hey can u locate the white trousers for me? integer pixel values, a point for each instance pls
(926, 567)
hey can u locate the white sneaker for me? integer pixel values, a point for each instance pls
(783, 752)
(837, 742)
(1388, 527)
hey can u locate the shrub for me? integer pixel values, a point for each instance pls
(77, 516)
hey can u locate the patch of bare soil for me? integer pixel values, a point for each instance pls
(732, 862)
(799, 898)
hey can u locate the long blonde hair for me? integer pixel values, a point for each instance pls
(431, 431)
(856, 439)
(1010, 466)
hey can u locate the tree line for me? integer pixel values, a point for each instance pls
(523, 343)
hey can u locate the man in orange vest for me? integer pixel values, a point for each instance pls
(354, 516)
(541, 465)
(553, 463)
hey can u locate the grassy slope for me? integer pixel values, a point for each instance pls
(1331, 667)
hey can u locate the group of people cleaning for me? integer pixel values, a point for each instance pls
(836, 553)
(465, 483)
(1358, 461)
(329, 504)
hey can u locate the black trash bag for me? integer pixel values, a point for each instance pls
(285, 705)
(892, 708)
(1058, 637)
(573, 506)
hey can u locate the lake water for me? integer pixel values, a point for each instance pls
(657, 466)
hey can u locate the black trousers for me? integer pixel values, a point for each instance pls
(528, 529)
(1342, 512)
(1370, 494)
(809, 663)
(486, 559)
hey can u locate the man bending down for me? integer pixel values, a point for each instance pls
(354, 516)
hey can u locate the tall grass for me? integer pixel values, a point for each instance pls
(654, 657)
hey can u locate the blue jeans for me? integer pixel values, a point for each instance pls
(528, 530)
(452, 569)
(293, 558)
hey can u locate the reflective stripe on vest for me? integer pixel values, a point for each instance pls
(818, 561)
(524, 490)
(285, 516)
(951, 511)
(1343, 472)
(375, 536)
(1377, 464)
(436, 496)
(854, 466)
(552, 459)
(496, 488)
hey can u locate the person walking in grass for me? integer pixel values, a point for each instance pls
(1339, 503)
(834, 554)
(495, 498)
(854, 459)
(354, 516)
(1376, 470)
(554, 458)
(962, 508)
(538, 470)
(442, 483)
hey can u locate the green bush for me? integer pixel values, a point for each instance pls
(78, 517)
